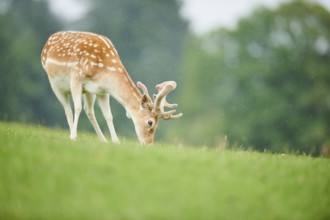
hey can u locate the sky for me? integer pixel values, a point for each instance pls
(205, 15)
(202, 15)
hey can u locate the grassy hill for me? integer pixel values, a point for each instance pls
(44, 175)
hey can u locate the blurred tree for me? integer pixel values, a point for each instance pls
(24, 89)
(265, 85)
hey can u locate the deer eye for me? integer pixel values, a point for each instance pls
(150, 122)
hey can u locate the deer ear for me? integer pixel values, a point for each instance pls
(145, 102)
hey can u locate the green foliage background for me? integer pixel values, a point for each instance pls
(263, 85)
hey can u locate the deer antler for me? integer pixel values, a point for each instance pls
(164, 103)
(160, 101)
(144, 89)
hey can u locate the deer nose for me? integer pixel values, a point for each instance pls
(148, 142)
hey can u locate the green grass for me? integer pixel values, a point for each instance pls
(44, 175)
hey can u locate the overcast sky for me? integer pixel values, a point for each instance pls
(203, 15)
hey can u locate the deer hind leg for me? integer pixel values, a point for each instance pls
(89, 100)
(76, 92)
(104, 103)
(65, 102)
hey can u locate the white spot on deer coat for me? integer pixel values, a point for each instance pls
(120, 69)
(112, 69)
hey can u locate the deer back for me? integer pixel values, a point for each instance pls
(80, 52)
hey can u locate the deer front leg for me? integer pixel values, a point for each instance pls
(76, 92)
(65, 102)
(89, 109)
(104, 104)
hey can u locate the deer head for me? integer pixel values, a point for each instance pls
(152, 110)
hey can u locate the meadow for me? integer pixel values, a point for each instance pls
(44, 175)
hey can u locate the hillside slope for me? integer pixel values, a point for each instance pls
(44, 175)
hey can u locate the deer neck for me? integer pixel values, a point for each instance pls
(123, 89)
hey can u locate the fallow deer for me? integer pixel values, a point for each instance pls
(87, 66)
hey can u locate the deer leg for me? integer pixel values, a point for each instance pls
(104, 103)
(76, 92)
(89, 100)
(65, 102)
